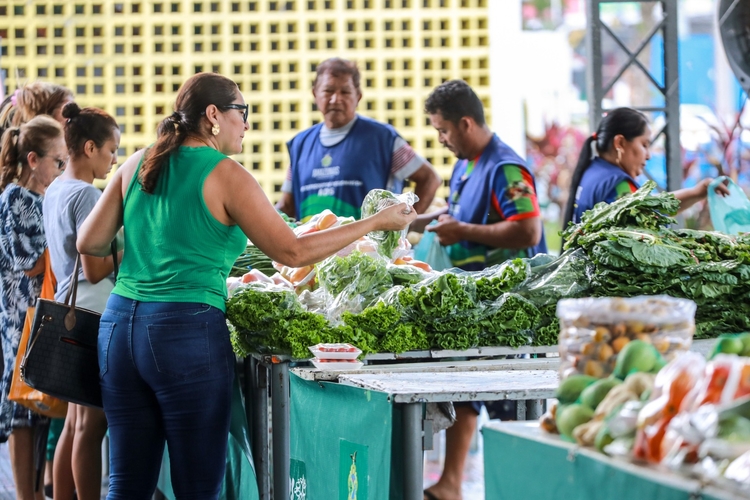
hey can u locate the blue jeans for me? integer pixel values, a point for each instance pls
(166, 371)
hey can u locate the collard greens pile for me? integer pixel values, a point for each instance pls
(622, 249)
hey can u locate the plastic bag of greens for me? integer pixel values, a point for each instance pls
(353, 282)
(430, 250)
(446, 306)
(494, 281)
(508, 321)
(729, 214)
(567, 276)
(380, 199)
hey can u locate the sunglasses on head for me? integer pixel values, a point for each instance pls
(245, 108)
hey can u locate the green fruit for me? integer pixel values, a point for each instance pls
(730, 345)
(570, 388)
(745, 338)
(636, 356)
(571, 417)
(603, 438)
(592, 395)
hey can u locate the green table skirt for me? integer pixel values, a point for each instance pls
(521, 461)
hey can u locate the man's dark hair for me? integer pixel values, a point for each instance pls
(336, 67)
(454, 99)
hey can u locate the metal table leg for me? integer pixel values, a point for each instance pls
(280, 424)
(534, 409)
(257, 386)
(529, 409)
(412, 451)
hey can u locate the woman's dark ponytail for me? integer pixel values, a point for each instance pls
(198, 92)
(584, 160)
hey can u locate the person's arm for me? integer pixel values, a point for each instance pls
(424, 220)
(512, 234)
(37, 269)
(247, 205)
(100, 228)
(690, 196)
(96, 269)
(286, 205)
(514, 200)
(426, 182)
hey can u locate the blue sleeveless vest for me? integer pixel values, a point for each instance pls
(474, 203)
(597, 184)
(339, 177)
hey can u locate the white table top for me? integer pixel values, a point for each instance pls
(485, 385)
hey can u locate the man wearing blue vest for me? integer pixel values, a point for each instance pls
(492, 215)
(334, 164)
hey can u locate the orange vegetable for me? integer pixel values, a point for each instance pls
(326, 221)
(422, 265)
(300, 273)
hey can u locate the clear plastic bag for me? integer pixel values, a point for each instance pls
(430, 250)
(593, 331)
(353, 282)
(380, 199)
(567, 276)
(671, 386)
(729, 214)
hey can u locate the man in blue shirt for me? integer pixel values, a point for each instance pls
(492, 215)
(334, 164)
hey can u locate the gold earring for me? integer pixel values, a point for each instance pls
(619, 155)
(215, 129)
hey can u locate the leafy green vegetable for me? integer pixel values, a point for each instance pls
(380, 328)
(274, 322)
(496, 280)
(509, 321)
(640, 209)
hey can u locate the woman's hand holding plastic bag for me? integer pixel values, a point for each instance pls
(394, 214)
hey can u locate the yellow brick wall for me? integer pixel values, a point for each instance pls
(129, 57)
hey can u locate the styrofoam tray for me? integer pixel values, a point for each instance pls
(335, 351)
(336, 364)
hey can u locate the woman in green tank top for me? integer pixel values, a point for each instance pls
(166, 363)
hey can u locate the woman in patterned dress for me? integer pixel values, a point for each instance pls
(31, 156)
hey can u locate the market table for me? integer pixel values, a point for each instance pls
(522, 461)
(347, 407)
(267, 390)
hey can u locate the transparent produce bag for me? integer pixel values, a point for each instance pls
(593, 331)
(430, 250)
(567, 276)
(380, 199)
(729, 214)
(353, 282)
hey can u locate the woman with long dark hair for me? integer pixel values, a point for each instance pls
(165, 358)
(611, 160)
(92, 137)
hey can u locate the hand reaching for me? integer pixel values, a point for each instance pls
(395, 218)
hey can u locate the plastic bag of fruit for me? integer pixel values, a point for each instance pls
(596, 332)
(671, 386)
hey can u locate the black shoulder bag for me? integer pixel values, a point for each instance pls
(62, 358)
